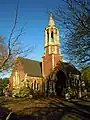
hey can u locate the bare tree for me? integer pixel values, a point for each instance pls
(11, 48)
(75, 19)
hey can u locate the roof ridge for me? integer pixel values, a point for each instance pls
(27, 59)
(30, 67)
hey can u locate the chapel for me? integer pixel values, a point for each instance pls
(40, 75)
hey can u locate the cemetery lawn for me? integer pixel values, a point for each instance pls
(44, 108)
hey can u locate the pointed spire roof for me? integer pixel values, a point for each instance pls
(51, 20)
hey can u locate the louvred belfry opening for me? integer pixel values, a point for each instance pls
(51, 48)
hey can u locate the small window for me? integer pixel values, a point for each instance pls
(52, 38)
(32, 86)
(37, 86)
(48, 36)
(52, 34)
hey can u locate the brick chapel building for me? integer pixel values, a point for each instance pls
(27, 71)
(34, 73)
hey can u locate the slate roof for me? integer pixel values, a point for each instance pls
(68, 67)
(31, 67)
(65, 67)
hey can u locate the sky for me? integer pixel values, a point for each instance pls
(34, 14)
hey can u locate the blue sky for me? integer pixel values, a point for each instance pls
(32, 12)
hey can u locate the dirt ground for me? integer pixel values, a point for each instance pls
(44, 109)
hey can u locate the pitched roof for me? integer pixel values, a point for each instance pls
(31, 67)
(65, 67)
(68, 67)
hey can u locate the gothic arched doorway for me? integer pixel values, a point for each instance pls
(60, 83)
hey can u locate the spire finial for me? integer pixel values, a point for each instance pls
(51, 12)
(51, 21)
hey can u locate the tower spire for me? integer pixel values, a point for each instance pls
(52, 47)
(51, 20)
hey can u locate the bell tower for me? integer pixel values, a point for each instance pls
(51, 48)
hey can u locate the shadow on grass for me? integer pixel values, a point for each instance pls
(3, 113)
(57, 110)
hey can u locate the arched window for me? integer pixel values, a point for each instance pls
(52, 38)
(34, 84)
(37, 86)
(47, 36)
(13, 80)
(52, 34)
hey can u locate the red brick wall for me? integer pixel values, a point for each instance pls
(18, 67)
(47, 63)
(56, 58)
